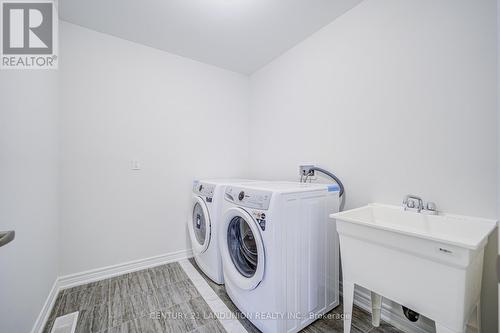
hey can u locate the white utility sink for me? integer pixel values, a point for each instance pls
(431, 264)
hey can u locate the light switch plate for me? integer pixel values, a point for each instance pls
(135, 165)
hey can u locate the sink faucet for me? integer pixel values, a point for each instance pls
(410, 200)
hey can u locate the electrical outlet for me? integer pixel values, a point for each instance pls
(304, 170)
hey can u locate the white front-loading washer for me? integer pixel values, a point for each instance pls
(203, 220)
(280, 253)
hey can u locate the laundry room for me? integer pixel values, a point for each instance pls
(249, 166)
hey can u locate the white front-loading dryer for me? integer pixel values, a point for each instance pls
(203, 220)
(280, 254)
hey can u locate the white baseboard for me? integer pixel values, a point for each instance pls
(93, 275)
(392, 313)
(72, 280)
(47, 307)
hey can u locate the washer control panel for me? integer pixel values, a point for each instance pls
(248, 198)
(204, 189)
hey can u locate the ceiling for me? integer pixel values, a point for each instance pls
(239, 35)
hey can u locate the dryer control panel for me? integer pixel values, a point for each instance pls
(204, 189)
(245, 197)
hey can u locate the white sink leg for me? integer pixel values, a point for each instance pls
(443, 329)
(348, 293)
(376, 308)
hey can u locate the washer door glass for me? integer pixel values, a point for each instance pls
(199, 224)
(242, 246)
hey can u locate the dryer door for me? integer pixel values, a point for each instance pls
(199, 225)
(242, 249)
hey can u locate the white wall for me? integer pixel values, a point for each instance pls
(498, 142)
(395, 97)
(28, 194)
(121, 101)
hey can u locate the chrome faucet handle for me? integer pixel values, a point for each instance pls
(431, 208)
(409, 202)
